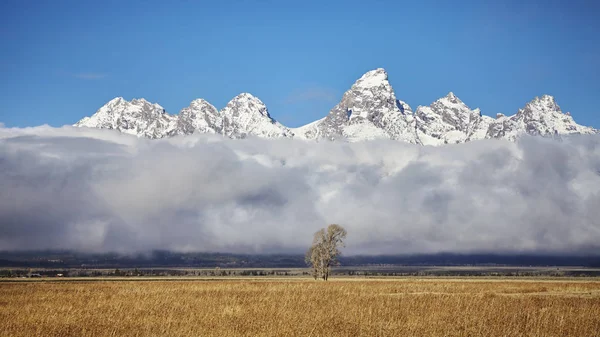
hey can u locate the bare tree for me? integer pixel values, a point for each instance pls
(325, 249)
(311, 259)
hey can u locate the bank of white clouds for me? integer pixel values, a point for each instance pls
(99, 190)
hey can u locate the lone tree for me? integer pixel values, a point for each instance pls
(324, 250)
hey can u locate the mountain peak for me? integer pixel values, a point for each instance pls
(200, 116)
(246, 115)
(452, 98)
(200, 102)
(137, 117)
(115, 100)
(139, 100)
(245, 96)
(545, 97)
(368, 110)
(543, 104)
(373, 78)
(541, 116)
(247, 103)
(448, 120)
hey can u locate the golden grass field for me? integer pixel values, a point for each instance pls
(301, 307)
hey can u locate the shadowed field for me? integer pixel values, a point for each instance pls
(410, 307)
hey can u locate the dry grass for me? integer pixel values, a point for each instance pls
(301, 308)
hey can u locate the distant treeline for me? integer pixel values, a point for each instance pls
(155, 259)
(356, 272)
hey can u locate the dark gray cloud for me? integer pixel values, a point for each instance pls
(99, 190)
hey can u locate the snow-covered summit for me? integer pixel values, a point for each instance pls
(373, 78)
(540, 117)
(199, 117)
(369, 110)
(449, 120)
(246, 115)
(137, 117)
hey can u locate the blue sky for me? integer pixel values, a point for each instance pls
(62, 60)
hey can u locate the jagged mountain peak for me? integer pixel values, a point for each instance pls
(451, 100)
(199, 117)
(200, 102)
(113, 104)
(541, 116)
(544, 98)
(247, 103)
(121, 104)
(449, 120)
(449, 103)
(539, 108)
(246, 115)
(543, 104)
(373, 78)
(368, 110)
(139, 101)
(115, 100)
(451, 96)
(138, 117)
(245, 95)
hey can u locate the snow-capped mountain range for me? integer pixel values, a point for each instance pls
(369, 110)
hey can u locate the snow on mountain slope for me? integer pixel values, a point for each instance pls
(369, 110)
(308, 131)
(200, 116)
(540, 117)
(449, 121)
(480, 125)
(246, 115)
(138, 117)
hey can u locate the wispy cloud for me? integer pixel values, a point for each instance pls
(90, 76)
(100, 190)
(312, 94)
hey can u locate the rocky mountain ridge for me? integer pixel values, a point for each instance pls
(368, 110)
(245, 115)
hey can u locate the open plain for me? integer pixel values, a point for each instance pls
(301, 307)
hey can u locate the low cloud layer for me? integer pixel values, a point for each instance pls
(99, 190)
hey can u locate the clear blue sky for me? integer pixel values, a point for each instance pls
(61, 60)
